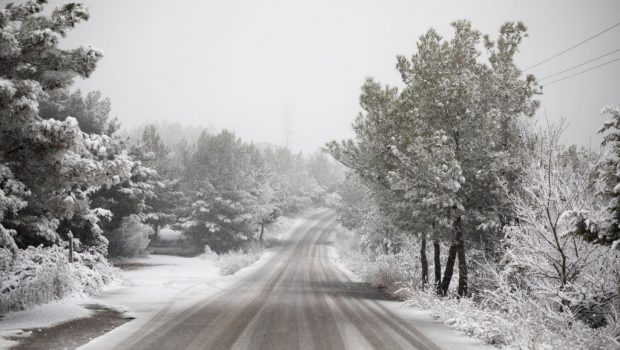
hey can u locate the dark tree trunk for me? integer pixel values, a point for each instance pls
(156, 233)
(262, 230)
(460, 247)
(447, 274)
(424, 262)
(437, 258)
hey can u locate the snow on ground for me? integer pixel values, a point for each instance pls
(168, 288)
(161, 281)
(442, 335)
(148, 286)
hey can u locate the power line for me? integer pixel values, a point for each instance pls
(579, 65)
(572, 47)
(581, 72)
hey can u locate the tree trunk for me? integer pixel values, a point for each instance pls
(447, 274)
(424, 262)
(262, 230)
(437, 258)
(460, 247)
(156, 234)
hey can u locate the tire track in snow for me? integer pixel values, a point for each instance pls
(299, 300)
(180, 332)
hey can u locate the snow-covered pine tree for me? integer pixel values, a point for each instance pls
(353, 194)
(478, 107)
(92, 112)
(12, 199)
(221, 181)
(609, 171)
(165, 198)
(288, 175)
(57, 162)
(327, 173)
(128, 202)
(124, 199)
(472, 110)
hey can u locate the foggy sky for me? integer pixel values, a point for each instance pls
(244, 64)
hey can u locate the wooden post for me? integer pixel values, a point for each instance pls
(70, 235)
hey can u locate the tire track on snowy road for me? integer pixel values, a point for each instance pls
(299, 299)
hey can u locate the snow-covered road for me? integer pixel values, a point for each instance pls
(296, 298)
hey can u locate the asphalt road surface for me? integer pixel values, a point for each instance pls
(298, 300)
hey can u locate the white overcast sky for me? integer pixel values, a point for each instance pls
(243, 64)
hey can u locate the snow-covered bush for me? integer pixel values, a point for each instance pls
(559, 269)
(38, 275)
(231, 262)
(513, 319)
(389, 269)
(131, 238)
(380, 270)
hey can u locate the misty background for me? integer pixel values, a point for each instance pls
(260, 68)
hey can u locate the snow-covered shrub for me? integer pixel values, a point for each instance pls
(131, 238)
(233, 261)
(559, 269)
(513, 319)
(380, 270)
(208, 253)
(462, 313)
(38, 275)
(388, 270)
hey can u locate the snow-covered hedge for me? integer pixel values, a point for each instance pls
(38, 275)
